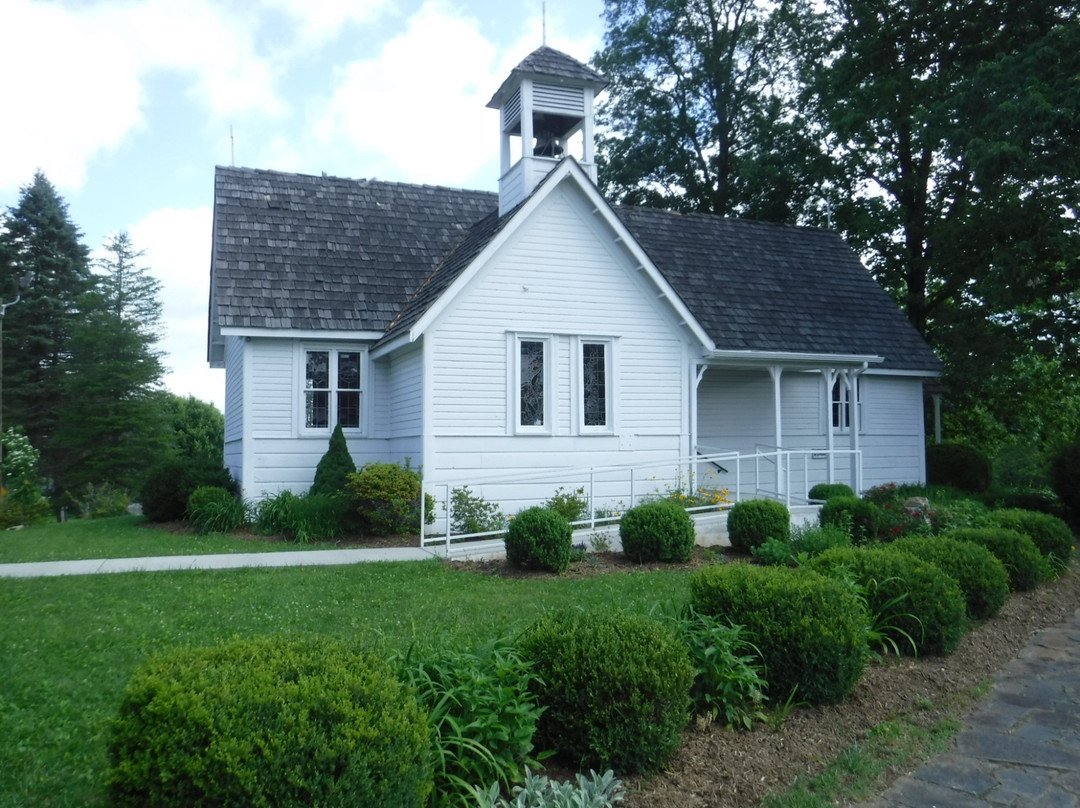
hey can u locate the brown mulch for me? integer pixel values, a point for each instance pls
(720, 768)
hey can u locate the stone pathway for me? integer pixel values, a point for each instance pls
(1020, 747)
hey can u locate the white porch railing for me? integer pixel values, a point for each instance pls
(612, 490)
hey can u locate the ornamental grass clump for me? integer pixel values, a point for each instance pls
(981, 576)
(268, 722)
(539, 539)
(211, 509)
(752, 522)
(918, 606)
(1025, 564)
(1050, 534)
(660, 530)
(615, 687)
(809, 629)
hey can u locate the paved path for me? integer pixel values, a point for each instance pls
(1021, 745)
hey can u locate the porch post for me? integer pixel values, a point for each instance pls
(775, 372)
(852, 381)
(828, 375)
(697, 372)
(937, 417)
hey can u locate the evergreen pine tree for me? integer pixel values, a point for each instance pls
(38, 238)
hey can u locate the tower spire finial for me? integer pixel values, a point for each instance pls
(543, 23)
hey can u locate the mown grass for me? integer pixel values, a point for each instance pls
(124, 537)
(69, 645)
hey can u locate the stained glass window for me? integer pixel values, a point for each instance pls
(532, 383)
(332, 389)
(317, 390)
(594, 383)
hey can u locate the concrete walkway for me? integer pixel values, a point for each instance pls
(1021, 745)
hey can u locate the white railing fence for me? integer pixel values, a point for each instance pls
(609, 491)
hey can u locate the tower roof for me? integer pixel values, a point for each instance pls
(551, 64)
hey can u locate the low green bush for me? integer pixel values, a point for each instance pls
(385, 498)
(826, 491)
(961, 513)
(981, 576)
(729, 684)
(268, 722)
(775, 552)
(858, 516)
(335, 466)
(571, 505)
(615, 687)
(809, 629)
(1050, 534)
(594, 791)
(482, 716)
(657, 531)
(808, 540)
(100, 501)
(539, 539)
(752, 522)
(907, 597)
(214, 510)
(1025, 500)
(304, 518)
(168, 485)
(957, 465)
(471, 513)
(1025, 564)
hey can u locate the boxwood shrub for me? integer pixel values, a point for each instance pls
(657, 531)
(1050, 534)
(615, 688)
(1025, 564)
(268, 722)
(826, 491)
(908, 597)
(539, 539)
(981, 576)
(810, 630)
(862, 518)
(752, 522)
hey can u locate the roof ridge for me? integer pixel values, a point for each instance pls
(357, 180)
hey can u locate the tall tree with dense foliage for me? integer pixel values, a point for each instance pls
(699, 115)
(197, 428)
(38, 238)
(954, 127)
(113, 424)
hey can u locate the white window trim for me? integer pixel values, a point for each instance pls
(844, 427)
(514, 383)
(301, 375)
(578, 347)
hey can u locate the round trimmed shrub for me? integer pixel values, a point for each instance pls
(960, 466)
(168, 485)
(539, 539)
(268, 722)
(385, 498)
(810, 630)
(862, 518)
(752, 522)
(1050, 534)
(826, 491)
(981, 576)
(616, 688)
(908, 597)
(214, 510)
(658, 531)
(1025, 564)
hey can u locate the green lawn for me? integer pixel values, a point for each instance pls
(123, 537)
(69, 645)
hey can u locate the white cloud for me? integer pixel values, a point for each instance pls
(417, 111)
(319, 20)
(177, 246)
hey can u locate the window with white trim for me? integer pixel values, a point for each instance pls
(332, 388)
(533, 389)
(595, 386)
(841, 405)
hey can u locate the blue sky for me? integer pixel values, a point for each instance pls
(127, 105)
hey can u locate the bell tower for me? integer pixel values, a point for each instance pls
(545, 113)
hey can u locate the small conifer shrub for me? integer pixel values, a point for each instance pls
(335, 466)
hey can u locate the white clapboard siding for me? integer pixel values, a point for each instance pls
(561, 278)
(234, 407)
(403, 393)
(271, 363)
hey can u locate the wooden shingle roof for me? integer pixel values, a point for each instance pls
(323, 253)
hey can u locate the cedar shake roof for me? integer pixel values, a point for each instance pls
(549, 63)
(323, 253)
